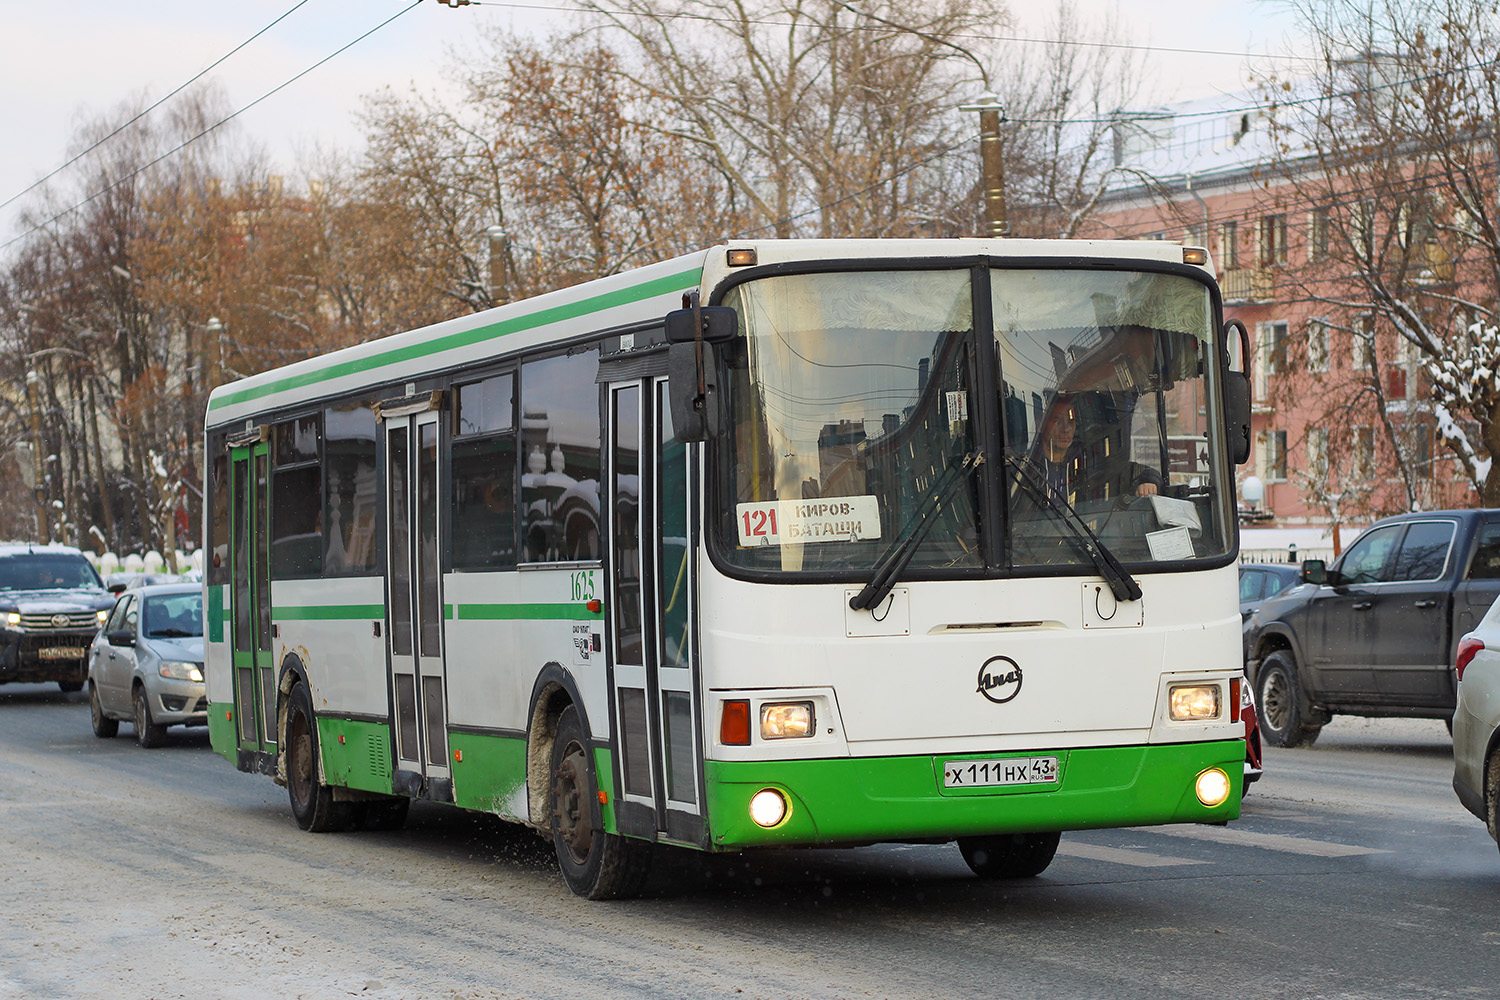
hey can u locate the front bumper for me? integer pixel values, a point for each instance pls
(24, 656)
(178, 703)
(871, 800)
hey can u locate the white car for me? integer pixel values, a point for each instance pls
(1476, 749)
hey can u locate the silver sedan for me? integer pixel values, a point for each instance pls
(146, 665)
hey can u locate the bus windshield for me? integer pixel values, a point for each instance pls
(1078, 412)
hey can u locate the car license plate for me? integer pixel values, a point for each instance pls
(1005, 771)
(60, 653)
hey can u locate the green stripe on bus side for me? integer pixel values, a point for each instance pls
(466, 338)
(524, 612)
(328, 612)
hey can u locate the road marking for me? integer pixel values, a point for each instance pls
(1121, 856)
(1268, 841)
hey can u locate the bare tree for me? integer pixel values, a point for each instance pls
(1392, 152)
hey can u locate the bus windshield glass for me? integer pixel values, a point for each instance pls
(865, 408)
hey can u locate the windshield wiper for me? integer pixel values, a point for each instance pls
(904, 546)
(1123, 585)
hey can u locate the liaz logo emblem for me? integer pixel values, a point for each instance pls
(1000, 679)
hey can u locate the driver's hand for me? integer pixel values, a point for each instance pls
(1145, 490)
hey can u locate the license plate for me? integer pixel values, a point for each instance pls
(1007, 771)
(60, 653)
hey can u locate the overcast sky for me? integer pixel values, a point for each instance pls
(65, 63)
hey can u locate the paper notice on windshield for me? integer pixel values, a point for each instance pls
(1170, 544)
(796, 522)
(1171, 512)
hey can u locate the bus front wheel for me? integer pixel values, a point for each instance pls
(312, 801)
(1010, 855)
(595, 864)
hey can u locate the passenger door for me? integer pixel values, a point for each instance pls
(1341, 619)
(113, 668)
(250, 595)
(652, 586)
(414, 621)
(1411, 641)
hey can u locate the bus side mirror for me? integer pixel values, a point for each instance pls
(692, 366)
(1237, 395)
(695, 415)
(1237, 415)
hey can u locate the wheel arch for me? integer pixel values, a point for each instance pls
(1274, 639)
(293, 672)
(552, 693)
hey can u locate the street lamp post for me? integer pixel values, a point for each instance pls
(39, 456)
(498, 278)
(213, 351)
(991, 164)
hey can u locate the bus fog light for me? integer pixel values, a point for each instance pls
(1193, 702)
(786, 721)
(1213, 787)
(767, 807)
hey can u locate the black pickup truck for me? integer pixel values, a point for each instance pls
(1375, 633)
(52, 603)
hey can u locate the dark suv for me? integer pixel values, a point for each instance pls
(52, 603)
(1374, 633)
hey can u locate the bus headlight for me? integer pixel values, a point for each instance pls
(768, 807)
(786, 720)
(1212, 787)
(1193, 702)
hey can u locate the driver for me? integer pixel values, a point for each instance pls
(1071, 475)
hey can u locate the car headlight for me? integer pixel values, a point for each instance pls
(786, 720)
(179, 670)
(1193, 702)
(13, 619)
(103, 617)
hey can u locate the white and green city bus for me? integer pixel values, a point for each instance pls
(759, 546)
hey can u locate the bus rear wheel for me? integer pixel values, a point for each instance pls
(595, 864)
(1010, 855)
(312, 801)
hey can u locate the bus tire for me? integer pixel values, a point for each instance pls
(595, 864)
(1278, 703)
(1010, 855)
(312, 801)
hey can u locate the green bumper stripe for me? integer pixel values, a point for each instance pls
(850, 800)
(329, 612)
(524, 612)
(608, 300)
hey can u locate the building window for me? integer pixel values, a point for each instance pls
(1362, 455)
(1317, 234)
(1229, 244)
(1362, 355)
(1272, 240)
(1273, 456)
(1317, 345)
(1317, 453)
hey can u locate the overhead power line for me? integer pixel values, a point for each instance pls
(771, 22)
(188, 142)
(216, 63)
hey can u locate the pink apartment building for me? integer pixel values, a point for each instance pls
(1344, 427)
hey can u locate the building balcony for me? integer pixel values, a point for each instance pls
(1245, 285)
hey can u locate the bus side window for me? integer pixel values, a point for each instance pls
(484, 475)
(560, 434)
(297, 498)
